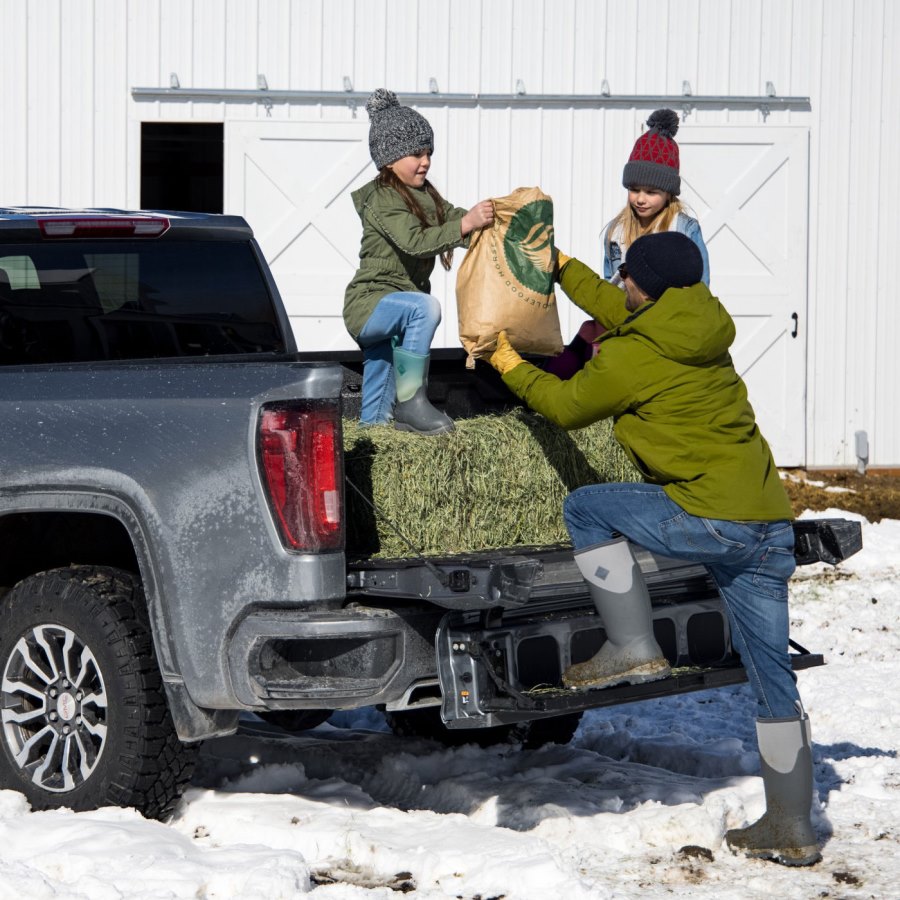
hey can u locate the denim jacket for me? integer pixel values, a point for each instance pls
(614, 253)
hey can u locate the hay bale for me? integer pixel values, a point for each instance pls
(496, 481)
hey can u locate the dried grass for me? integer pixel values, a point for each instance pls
(496, 481)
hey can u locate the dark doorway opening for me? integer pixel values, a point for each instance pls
(182, 166)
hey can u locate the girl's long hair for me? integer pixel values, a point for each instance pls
(387, 179)
(630, 224)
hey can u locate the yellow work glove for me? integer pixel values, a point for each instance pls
(559, 260)
(504, 358)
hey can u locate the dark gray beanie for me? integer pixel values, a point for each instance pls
(396, 131)
(657, 262)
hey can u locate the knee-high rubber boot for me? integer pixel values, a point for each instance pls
(413, 411)
(784, 833)
(631, 654)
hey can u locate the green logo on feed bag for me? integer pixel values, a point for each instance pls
(528, 246)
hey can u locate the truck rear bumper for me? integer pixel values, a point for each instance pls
(493, 667)
(496, 633)
(356, 656)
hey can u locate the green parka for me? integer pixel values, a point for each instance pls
(397, 253)
(680, 409)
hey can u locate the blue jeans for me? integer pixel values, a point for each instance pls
(750, 562)
(410, 318)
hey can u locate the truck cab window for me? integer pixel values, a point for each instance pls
(98, 300)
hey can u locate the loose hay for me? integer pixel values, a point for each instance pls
(496, 481)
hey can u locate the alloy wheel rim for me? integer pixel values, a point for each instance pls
(54, 709)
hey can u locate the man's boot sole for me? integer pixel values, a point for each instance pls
(655, 670)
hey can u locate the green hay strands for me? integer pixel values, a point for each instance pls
(496, 481)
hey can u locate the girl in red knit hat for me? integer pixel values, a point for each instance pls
(652, 178)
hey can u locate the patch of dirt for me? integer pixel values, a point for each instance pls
(875, 495)
(846, 878)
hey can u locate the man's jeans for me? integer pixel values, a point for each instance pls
(410, 318)
(750, 562)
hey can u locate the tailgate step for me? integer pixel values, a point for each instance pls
(496, 674)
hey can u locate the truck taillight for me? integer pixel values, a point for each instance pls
(300, 454)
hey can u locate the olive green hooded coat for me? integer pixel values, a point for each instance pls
(680, 409)
(397, 252)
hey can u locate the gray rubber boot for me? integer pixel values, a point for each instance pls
(413, 411)
(784, 833)
(631, 654)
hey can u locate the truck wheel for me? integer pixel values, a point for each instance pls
(296, 719)
(427, 723)
(82, 705)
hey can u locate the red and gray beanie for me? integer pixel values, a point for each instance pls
(654, 159)
(396, 131)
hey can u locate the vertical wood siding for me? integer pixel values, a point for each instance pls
(72, 130)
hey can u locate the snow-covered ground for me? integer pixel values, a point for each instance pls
(635, 806)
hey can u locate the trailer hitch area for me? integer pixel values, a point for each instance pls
(510, 581)
(474, 676)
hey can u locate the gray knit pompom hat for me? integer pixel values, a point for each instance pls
(396, 131)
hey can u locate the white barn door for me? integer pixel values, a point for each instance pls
(292, 182)
(748, 187)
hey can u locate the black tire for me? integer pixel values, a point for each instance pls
(427, 723)
(82, 706)
(293, 720)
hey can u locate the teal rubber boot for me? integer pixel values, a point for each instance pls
(784, 833)
(631, 654)
(413, 411)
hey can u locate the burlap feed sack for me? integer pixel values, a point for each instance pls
(505, 281)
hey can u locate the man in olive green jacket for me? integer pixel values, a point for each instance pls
(711, 494)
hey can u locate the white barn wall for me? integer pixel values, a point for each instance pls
(886, 259)
(72, 129)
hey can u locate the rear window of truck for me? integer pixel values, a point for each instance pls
(78, 301)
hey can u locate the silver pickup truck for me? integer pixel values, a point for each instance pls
(172, 535)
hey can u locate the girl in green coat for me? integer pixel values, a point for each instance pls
(388, 307)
